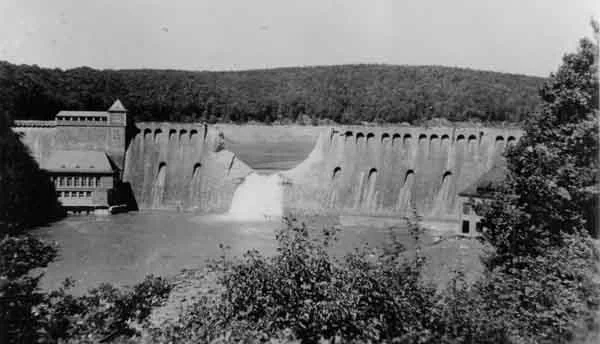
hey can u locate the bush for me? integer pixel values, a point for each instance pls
(104, 313)
(303, 292)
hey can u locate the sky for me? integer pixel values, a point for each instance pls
(514, 36)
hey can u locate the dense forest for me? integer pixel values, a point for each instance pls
(344, 94)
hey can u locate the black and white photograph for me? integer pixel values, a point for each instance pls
(299, 172)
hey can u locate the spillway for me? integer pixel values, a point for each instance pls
(258, 198)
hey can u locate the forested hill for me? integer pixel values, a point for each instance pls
(345, 94)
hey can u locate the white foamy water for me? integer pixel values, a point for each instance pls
(258, 198)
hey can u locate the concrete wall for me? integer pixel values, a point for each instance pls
(388, 170)
(108, 139)
(39, 140)
(355, 170)
(182, 166)
(44, 136)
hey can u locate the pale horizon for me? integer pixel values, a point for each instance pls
(516, 37)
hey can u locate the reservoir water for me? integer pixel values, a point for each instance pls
(122, 249)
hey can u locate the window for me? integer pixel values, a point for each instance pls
(466, 208)
(81, 194)
(77, 181)
(67, 194)
(69, 181)
(465, 226)
(478, 227)
(60, 181)
(97, 181)
(88, 194)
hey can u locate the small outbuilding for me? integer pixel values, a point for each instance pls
(481, 191)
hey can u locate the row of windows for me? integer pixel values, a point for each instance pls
(82, 118)
(73, 194)
(82, 181)
(466, 227)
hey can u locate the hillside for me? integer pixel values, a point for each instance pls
(345, 94)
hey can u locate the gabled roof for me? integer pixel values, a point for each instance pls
(117, 107)
(77, 161)
(487, 184)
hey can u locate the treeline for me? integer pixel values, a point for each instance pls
(344, 94)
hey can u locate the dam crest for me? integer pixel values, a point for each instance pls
(355, 170)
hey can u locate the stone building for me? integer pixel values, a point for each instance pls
(480, 191)
(82, 178)
(83, 151)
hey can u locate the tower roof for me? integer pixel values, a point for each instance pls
(117, 107)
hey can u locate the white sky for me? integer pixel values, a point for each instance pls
(517, 36)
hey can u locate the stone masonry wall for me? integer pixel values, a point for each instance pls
(388, 170)
(182, 166)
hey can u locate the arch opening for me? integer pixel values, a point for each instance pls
(385, 137)
(370, 137)
(336, 174)
(193, 134)
(157, 132)
(182, 134)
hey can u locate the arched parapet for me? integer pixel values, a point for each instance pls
(348, 134)
(396, 139)
(193, 135)
(359, 137)
(157, 134)
(172, 134)
(385, 138)
(511, 140)
(147, 134)
(370, 137)
(182, 135)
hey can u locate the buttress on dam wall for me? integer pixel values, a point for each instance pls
(355, 170)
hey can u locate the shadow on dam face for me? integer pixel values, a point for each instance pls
(270, 149)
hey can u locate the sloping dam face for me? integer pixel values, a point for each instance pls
(350, 170)
(389, 170)
(182, 166)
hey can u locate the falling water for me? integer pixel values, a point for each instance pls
(405, 192)
(258, 198)
(158, 188)
(440, 204)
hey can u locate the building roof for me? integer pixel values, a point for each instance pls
(82, 113)
(489, 182)
(117, 107)
(77, 161)
(33, 123)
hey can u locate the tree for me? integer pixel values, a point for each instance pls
(539, 284)
(553, 170)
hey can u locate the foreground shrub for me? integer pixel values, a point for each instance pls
(19, 256)
(303, 292)
(102, 314)
(28, 315)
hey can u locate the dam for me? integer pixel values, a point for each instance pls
(341, 170)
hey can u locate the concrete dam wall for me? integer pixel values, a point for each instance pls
(350, 170)
(389, 170)
(182, 166)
